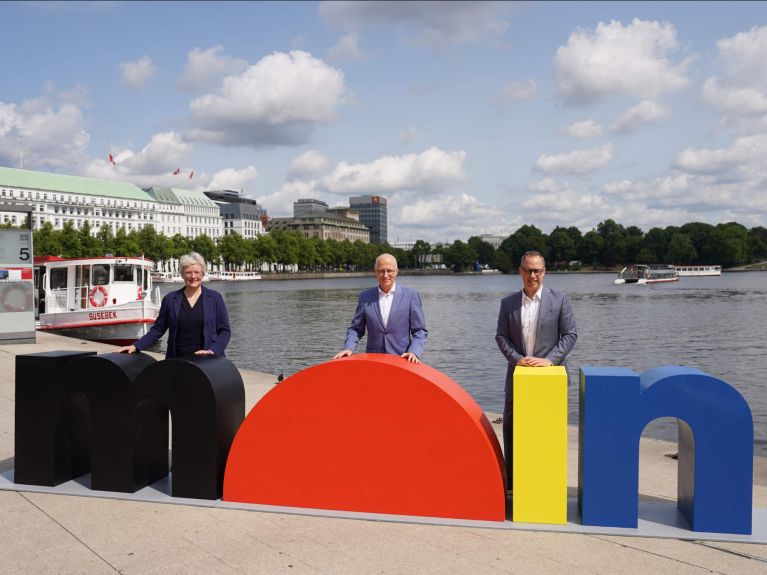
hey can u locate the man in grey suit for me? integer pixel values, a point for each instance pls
(536, 328)
(392, 316)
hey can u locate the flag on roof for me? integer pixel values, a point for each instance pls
(191, 174)
(177, 171)
(111, 159)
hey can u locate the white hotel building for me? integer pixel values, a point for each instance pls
(57, 199)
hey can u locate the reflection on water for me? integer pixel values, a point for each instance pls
(713, 324)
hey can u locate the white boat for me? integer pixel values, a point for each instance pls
(685, 271)
(644, 274)
(106, 299)
(166, 277)
(233, 276)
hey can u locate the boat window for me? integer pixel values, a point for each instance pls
(100, 274)
(58, 278)
(123, 273)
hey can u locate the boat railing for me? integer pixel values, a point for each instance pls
(88, 297)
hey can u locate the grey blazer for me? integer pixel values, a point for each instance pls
(405, 330)
(556, 333)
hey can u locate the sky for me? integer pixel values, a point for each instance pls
(470, 117)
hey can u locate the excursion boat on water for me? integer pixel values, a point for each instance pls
(644, 274)
(166, 277)
(233, 276)
(106, 299)
(685, 271)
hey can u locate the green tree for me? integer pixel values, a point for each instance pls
(590, 248)
(233, 250)
(654, 246)
(70, 241)
(90, 246)
(485, 251)
(206, 247)
(681, 250)
(418, 254)
(460, 256)
(562, 249)
(106, 238)
(125, 244)
(47, 241)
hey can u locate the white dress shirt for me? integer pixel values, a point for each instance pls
(529, 317)
(384, 302)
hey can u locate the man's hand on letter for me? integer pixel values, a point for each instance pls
(530, 361)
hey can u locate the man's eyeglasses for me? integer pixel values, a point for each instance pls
(386, 272)
(529, 271)
(193, 274)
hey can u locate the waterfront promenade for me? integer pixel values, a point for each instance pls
(47, 533)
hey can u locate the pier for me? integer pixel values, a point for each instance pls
(50, 533)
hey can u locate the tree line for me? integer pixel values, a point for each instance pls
(608, 245)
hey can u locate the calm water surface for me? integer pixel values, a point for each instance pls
(714, 324)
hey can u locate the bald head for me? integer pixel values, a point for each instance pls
(386, 271)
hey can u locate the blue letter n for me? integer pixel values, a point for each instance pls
(716, 436)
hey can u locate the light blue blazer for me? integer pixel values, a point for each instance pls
(556, 333)
(405, 330)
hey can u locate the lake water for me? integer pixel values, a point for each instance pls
(715, 324)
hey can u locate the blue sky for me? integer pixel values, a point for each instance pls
(471, 117)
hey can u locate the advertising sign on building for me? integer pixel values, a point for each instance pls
(17, 311)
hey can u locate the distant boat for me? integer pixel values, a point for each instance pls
(685, 271)
(644, 274)
(234, 276)
(106, 299)
(167, 277)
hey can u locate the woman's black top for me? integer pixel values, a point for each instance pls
(189, 337)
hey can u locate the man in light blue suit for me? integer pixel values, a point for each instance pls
(392, 316)
(536, 328)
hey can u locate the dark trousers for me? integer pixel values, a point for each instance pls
(508, 434)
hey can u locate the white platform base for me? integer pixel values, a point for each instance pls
(655, 519)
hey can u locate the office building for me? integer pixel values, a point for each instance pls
(372, 211)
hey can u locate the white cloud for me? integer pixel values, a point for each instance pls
(583, 130)
(153, 165)
(280, 202)
(618, 60)
(310, 163)
(347, 48)
(203, 67)
(746, 155)
(430, 171)
(645, 112)
(408, 134)
(580, 161)
(136, 74)
(740, 88)
(267, 104)
(232, 179)
(48, 131)
(444, 217)
(515, 91)
(433, 23)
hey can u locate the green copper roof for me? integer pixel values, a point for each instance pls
(29, 180)
(181, 196)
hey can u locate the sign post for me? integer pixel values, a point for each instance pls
(17, 310)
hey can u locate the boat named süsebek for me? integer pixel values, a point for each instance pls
(644, 274)
(106, 299)
(685, 271)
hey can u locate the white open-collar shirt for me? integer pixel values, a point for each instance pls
(529, 317)
(384, 302)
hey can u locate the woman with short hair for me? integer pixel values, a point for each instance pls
(194, 316)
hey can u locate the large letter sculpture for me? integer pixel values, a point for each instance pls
(715, 446)
(108, 415)
(540, 445)
(369, 433)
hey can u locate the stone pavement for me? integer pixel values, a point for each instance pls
(46, 533)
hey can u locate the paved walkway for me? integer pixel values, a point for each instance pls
(43, 533)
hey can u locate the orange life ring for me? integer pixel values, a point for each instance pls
(140, 293)
(92, 296)
(7, 302)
